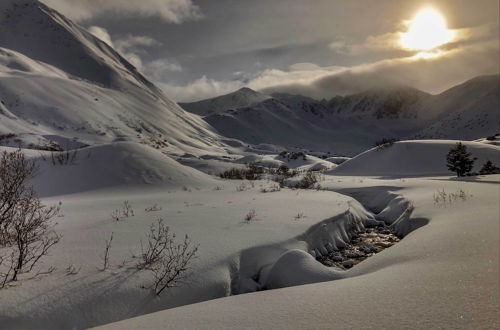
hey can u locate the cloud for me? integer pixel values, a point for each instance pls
(203, 87)
(199, 89)
(136, 42)
(172, 11)
(132, 47)
(432, 74)
(102, 34)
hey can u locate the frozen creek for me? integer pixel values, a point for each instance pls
(375, 220)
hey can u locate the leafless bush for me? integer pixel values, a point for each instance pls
(385, 143)
(299, 215)
(253, 172)
(105, 256)
(127, 209)
(153, 208)
(250, 215)
(26, 227)
(169, 261)
(241, 187)
(272, 188)
(66, 157)
(126, 212)
(72, 270)
(442, 198)
(309, 181)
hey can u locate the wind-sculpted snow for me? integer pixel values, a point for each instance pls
(113, 166)
(275, 266)
(414, 158)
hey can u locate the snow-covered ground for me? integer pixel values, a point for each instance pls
(122, 139)
(443, 273)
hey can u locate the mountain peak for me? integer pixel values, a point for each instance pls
(246, 90)
(243, 97)
(41, 33)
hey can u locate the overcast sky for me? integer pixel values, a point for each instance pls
(198, 49)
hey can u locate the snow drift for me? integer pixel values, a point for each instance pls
(121, 164)
(414, 158)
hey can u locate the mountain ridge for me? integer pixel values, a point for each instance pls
(384, 112)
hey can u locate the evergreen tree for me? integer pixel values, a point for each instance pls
(458, 160)
(489, 168)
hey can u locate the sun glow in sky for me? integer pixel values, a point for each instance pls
(426, 31)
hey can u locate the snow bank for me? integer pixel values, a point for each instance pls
(113, 165)
(445, 275)
(414, 158)
(300, 162)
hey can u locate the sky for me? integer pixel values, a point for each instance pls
(322, 48)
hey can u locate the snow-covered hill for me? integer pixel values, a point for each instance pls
(414, 158)
(243, 97)
(57, 79)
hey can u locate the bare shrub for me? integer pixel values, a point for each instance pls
(126, 212)
(153, 208)
(250, 215)
(385, 143)
(309, 181)
(105, 256)
(169, 261)
(66, 157)
(272, 188)
(127, 209)
(72, 270)
(442, 198)
(241, 187)
(299, 215)
(26, 227)
(253, 172)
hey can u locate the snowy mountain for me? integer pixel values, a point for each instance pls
(243, 97)
(350, 124)
(60, 83)
(467, 111)
(393, 103)
(297, 121)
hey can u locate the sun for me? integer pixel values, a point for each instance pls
(426, 31)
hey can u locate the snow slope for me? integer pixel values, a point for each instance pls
(442, 276)
(414, 158)
(113, 166)
(232, 252)
(58, 79)
(243, 97)
(301, 122)
(389, 102)
(467, 111)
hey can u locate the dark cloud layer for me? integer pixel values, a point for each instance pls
(197, 49)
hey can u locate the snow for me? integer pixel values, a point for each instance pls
(123, 140)
(243, 97)
(414, 158)
(347, 125)
(443, 275)
(95, 95)
(274, 161)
